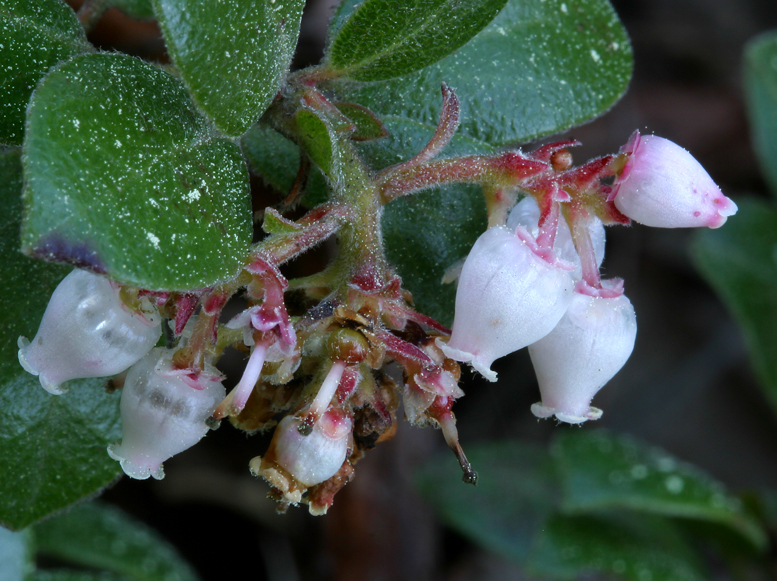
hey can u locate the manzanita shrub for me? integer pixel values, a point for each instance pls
(402, 146)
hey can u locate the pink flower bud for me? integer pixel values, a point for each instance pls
(508, 297)
(586, 349)
(526, 213)
(664, 186)
(86, 331)
(161, 414)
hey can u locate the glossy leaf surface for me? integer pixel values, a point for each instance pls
(625, 547)
(232, 54)
(540, 67)
(761, 92)
(382, 39)
(515, 511)
(54, 446)
(124, 176)
(100, 536)
(740, 262)
(516, 492)
(600, 471)
(34, 36)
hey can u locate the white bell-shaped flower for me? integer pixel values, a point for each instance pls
(664, 186)
(526, 213)
(161, 415)
(317, 457)
(86, 331)
(587, 348)
(508, 297)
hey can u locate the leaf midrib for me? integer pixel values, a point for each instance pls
(403, 40)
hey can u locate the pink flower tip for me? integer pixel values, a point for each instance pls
(662, 185)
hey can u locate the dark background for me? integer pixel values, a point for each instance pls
(688, 386)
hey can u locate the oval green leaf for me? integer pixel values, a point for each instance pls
(600, 471)
(740, 263)
(383, 39)
(34, 36)
(52, 448)
(100, 536)
(635, 549)
(124, 176)
(761, 92)
(540, 67)
(232, 54)
(516, 492)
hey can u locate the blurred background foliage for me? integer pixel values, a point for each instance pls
(677, 481)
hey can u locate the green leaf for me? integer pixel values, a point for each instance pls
(600, 471)
(629, 548)
(383, 39)
(100, 536)
(761, 91)
(233, 55)
(272, 156)
(317, 139)
(276, 159)
(516, 492)
(52, 448)
(274, 223)
(540, 67)
(138, 9)
(34, 36)
(16, 555)
(368, 125)
(740, 263)
(125, 177)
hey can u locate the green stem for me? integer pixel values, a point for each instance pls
(362, 260)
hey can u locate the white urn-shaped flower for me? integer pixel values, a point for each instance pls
(508, 297)
(86, 331)
(317, 457)
(590, 344)
(161, 414)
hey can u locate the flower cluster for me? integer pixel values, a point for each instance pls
(535, 282)
(318, 346)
